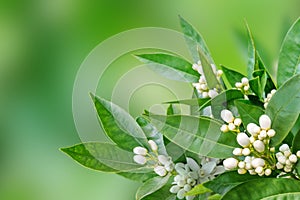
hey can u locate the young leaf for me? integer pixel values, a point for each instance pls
(289, 57)
(194, 40)
(103, 157)
(200, 135)
(284, 109)
(228, 180)
(232, 76)
(198, 189)
(119, 126)
(170, 66)
(267, 188)
(249, 113)
(151, 186)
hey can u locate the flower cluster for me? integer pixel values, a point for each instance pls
(191, 174)
(232, 123)
(286, 159)
(268, 98)
(243, 85)
(202, 86)
(161, 164)
(256, 156)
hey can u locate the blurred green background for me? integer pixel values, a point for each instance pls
(43, 43)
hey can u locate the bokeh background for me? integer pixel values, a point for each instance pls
(43, 43)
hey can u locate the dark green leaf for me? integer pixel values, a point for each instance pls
(232, 76)
(249, 113)
(151, 186)
(284, 109)
(228, 180)
(296, 143)
(297, 167)
(119, 126)
(289, 57)
(296, 127)
(103, 157)
(200, 135)
(170, 66)
(267, 188)
(198, 189)
(194, 40)
(163, 193)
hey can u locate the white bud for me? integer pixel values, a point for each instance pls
(195, 67)
(257, 162)
(169, 166)
(187, 187)
(204, 94)
(265, 122)
(287, 153)
(253, 129)
(252, 139)
(163, 159)
(281, 159)
(246, 151)
(279, 154)
(193, 165)
(197, 85)
(287, 169)
(238, 85)
(202, 80)
(237, 151)
(219, 73)
(259, 146)
(273, 91)
(252, 172)
(231, 126)
(263, 133)
(248, 166)
(271, 133)
(293, 158)
(246, 88)
(237, 121)
(272, 149)
(230, 163)
(284, 148)
(242, 171)
(268, 172)
(212, 93)
(248, 159)
(227, 116)
(298, 154)
(160, 170)
(243, 139)
(224, 128)
(174, 189)
(140, 151)
(245, 81)
(181, 194)
(153, 145)
(139, 159)
(259, 170)
(265, 105)
(288, 162)
(203, 86)
(242, 164)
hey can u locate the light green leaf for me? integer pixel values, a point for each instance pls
(119, 126)
(249, 113)
(258, 83)
(170, 66)
(267, 188)
(296, 127)
(194, 40)
(200, 135)
(151, 186)
(296, 143)
(163, 193)
(232, 76)
(214, 197)
(289, 57)
(103, 157)
(191, 102)
(284, 109)
(140, 177)
(198, 189)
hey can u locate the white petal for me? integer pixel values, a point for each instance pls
(139, 159)
(253, 129)
(230, 163)
(243, 139)
(140, 151)
(153, 145)
(259, 146)
(160, 170)
(265, 122)
(227, 116)
(257, 162)
(192, 164)
(163, 159)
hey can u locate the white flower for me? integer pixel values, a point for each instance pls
(243, 139)
(259, 146)
(227, 116)
(257, 162)
(153, 145)
(265, 122)
(224, 128)
(193, 165)
(242, 164)
(140, 159)
(181, 194)
(259, 170)
(230, 163)
(204, 94)
(279, 165)
(140, 151)
(160, 170)
(253, 129)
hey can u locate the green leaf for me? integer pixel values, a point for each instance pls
(296, 127)
(232, 76)
(258, 83)
(214, 197)
(103, 157)
(296, 143)
(170, 66)
(289, 57)
(251, 52)
(200, 135)
(228, 180)
(297, 168)
(152, 134)
(284, 108)
(267, 188)
(163, 193)
(249, 113)
(198, 189)
(119, 126)
(191, 102)
(151, 186)
(194, 40)
(140, 177)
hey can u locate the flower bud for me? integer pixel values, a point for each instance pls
(140, 151)
(202, 80)
(246, 87)
(273, 91)
(259, 146)
(174, 189)
(153, 145)
(246, 151)
(169, 166)
(287, 153)
(287, 169)
(281, 159)
(187, 187)
(243, 139)
(160, 170)
(263, 133)
(237, 151)
(224, 128)
(259, 170)
(195, 66)
(203, 86)
(284, 148)
(298, 154)
(238, 85)
(271, 133)
(265, 122)
(293, 158)
(242, 171)
(245, 81)
(268, 172)
(231, 126)
(193, 165)
(219, 73)
(257, 162)
(230, 163)
(139, 159)
(163, 159)
(253, 129)
(212, 93)
(181, 194)
(227, 116)
(237, 121)
(252, 172)
(242, 164)
(204, 94)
